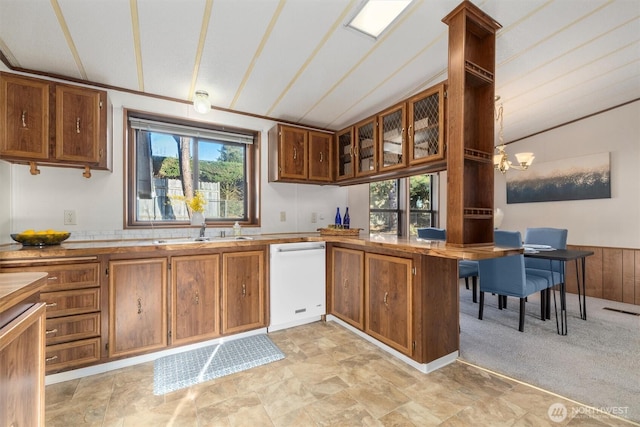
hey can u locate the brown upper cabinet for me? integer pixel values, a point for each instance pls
(344, 154)
(300, 155)
(426, 125)
(366, 147)
(44, 122)
(392, 148)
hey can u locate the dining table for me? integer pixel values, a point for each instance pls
(564, 256)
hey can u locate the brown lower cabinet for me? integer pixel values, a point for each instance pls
(407, 301)
(243, 301)
(22, 369)
(137, 306)
(388, 300)
(195, 307)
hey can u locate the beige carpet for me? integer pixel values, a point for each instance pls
(597, 363)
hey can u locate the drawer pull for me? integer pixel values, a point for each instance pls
(386, 294)
(52, 278)
(77, 124)
(51, 331)
(52, 304)
(51, 359)
(139, 305)
(24, 119)
(197, 299)
(244, 290)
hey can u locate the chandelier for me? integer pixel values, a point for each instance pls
(501, 161)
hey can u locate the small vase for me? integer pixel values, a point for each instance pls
(197, 218)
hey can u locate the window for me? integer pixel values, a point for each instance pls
(172, 161)
(394, 203)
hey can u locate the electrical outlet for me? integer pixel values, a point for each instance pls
(69, 217)
(283, 216)
(314, 217)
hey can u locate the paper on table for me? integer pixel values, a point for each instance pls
(538, 247)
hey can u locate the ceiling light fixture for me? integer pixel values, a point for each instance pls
(375, 16)
(201, 101)
(501, 161)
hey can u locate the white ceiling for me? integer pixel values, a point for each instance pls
(294, 60)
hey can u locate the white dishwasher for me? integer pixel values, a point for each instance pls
(297, 284)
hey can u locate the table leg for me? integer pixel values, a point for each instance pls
(583, 312)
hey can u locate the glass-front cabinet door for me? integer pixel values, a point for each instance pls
(391, 137)
(345, 150)
(426, 125)
(366, 147)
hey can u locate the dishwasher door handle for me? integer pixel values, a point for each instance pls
(310, 248)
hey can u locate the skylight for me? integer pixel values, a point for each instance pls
(375, 16)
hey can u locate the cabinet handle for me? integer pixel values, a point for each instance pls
(139, 305)
(385, 297)
(52, 304)
(409, 133)
(321, 158)
(197, 299)
(50, 359)
(52, 278)
(244, 290)
(346, 283)
(77, 124)
(51, 331)
(295, 153)
(24, 119)
(403, 135)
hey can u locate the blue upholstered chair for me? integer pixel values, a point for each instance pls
(466, 268)
(552, 271)
(506, 276)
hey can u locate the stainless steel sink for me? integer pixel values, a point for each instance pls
(183, 241)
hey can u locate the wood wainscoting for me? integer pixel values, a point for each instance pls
(612, 274)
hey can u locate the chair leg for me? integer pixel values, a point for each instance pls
(547, 303)
(521, 324)
(481, 308)
(474, 280)
(504, 301)
(466, 282)
(543, 304)
(499, 302)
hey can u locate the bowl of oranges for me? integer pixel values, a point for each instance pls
(41, 237)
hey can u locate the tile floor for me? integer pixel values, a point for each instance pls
(330, 377)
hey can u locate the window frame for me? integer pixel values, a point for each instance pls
(403, 209)
(252, 173)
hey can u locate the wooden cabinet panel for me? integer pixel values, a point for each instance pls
(347, 290)
(320, 153)
(60, 357)
(194, 298)
(22, 369)
(137, 306)
(344, 154)
(72, 328)
(24, 117)
(77, 301)
(292, 152)
(242, 291)
(366, 147)
(68, 276)
(388, 300)
(392, 147)
(425, 115)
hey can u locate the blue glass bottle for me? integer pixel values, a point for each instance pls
(338, 221)
(346, 221)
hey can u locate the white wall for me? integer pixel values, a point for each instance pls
(39, 201)
(611, 222)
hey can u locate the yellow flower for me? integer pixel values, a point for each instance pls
(197, 203)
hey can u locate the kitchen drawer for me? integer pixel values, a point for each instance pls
(69, 355)
(63, 276)
(65, 303)
(72, 328)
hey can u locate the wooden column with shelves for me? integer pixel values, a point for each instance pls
(470, 126)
